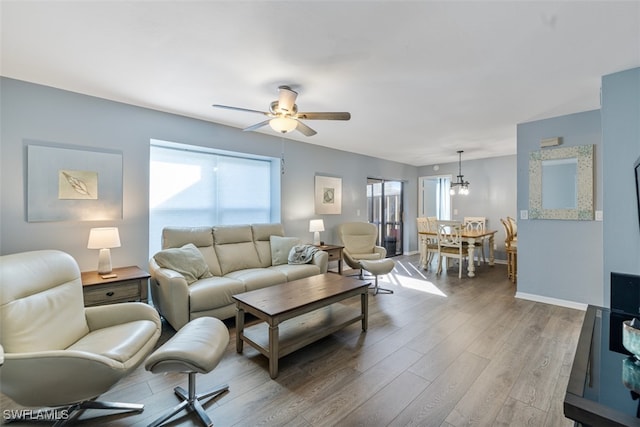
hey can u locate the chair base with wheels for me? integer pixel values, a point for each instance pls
(196, 348)
(378, 267)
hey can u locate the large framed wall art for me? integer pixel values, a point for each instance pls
(328, 195)
(70, 183)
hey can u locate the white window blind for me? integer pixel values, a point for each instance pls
(189, 187)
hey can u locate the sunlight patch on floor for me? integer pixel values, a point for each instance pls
(421, 285)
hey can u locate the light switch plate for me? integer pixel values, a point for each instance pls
(598, 215)
(524, 214)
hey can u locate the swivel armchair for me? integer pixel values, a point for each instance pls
(359, 241)
(57, 353)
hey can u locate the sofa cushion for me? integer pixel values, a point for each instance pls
(186, 260)
(201, 237)
(175, 237)
(262, 239)
(214, 292)
(295, 272)
(235, 248)
(280, 248)
(257, 278)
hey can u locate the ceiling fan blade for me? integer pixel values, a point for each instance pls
(304, 129)
(256, 126)
(240, 109)
(325, 116)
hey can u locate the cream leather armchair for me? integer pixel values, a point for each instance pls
(359, 241)
(57, 352)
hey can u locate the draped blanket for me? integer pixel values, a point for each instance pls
(302, 254)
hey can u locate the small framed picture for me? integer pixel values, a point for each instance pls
(328, 195)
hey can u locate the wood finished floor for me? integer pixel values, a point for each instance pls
(440, 351)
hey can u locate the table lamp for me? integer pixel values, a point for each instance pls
(316, 226)
(104, 238)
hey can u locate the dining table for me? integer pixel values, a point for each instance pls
(474, 239)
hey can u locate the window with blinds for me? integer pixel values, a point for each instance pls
(193, 186)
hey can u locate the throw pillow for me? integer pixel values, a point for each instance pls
(280, 248)
(186, 260)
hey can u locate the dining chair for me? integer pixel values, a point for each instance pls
(477, 223)
(450, 244)
(432, 247)
(511, 246)
(421, 223)
(514, 228)
(428, 243)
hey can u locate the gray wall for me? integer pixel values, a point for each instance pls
(621, 147)
(560, 259)
(492, 192)
(29, 111)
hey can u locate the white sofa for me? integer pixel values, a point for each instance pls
(238, 258)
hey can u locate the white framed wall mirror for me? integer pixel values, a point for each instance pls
(561, 183)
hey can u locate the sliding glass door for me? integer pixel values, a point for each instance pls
(385, 210)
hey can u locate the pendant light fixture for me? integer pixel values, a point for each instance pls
(463, 186)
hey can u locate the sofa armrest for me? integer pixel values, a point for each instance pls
(170, 294)
(321, 259)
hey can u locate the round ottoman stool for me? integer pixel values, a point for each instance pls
(378, 267)
(196, 348)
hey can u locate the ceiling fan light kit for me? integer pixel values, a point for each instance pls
(283, 124)
(463, 186)
(284, 116)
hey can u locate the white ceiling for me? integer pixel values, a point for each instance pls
(422, 79)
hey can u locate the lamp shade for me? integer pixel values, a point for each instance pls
(103, 238)
(283, 124)
(316, 225)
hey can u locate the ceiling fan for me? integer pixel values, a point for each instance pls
(284, 115)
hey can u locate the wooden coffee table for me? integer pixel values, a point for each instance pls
(298, 313)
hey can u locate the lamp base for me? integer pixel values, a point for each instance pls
(316, 238)
(104, 261)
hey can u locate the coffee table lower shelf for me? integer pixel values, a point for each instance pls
(303, 330)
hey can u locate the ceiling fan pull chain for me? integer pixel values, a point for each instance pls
(282, 156)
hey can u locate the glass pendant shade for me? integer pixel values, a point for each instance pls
(283, 124)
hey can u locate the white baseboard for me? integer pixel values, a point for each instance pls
(553, 301)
